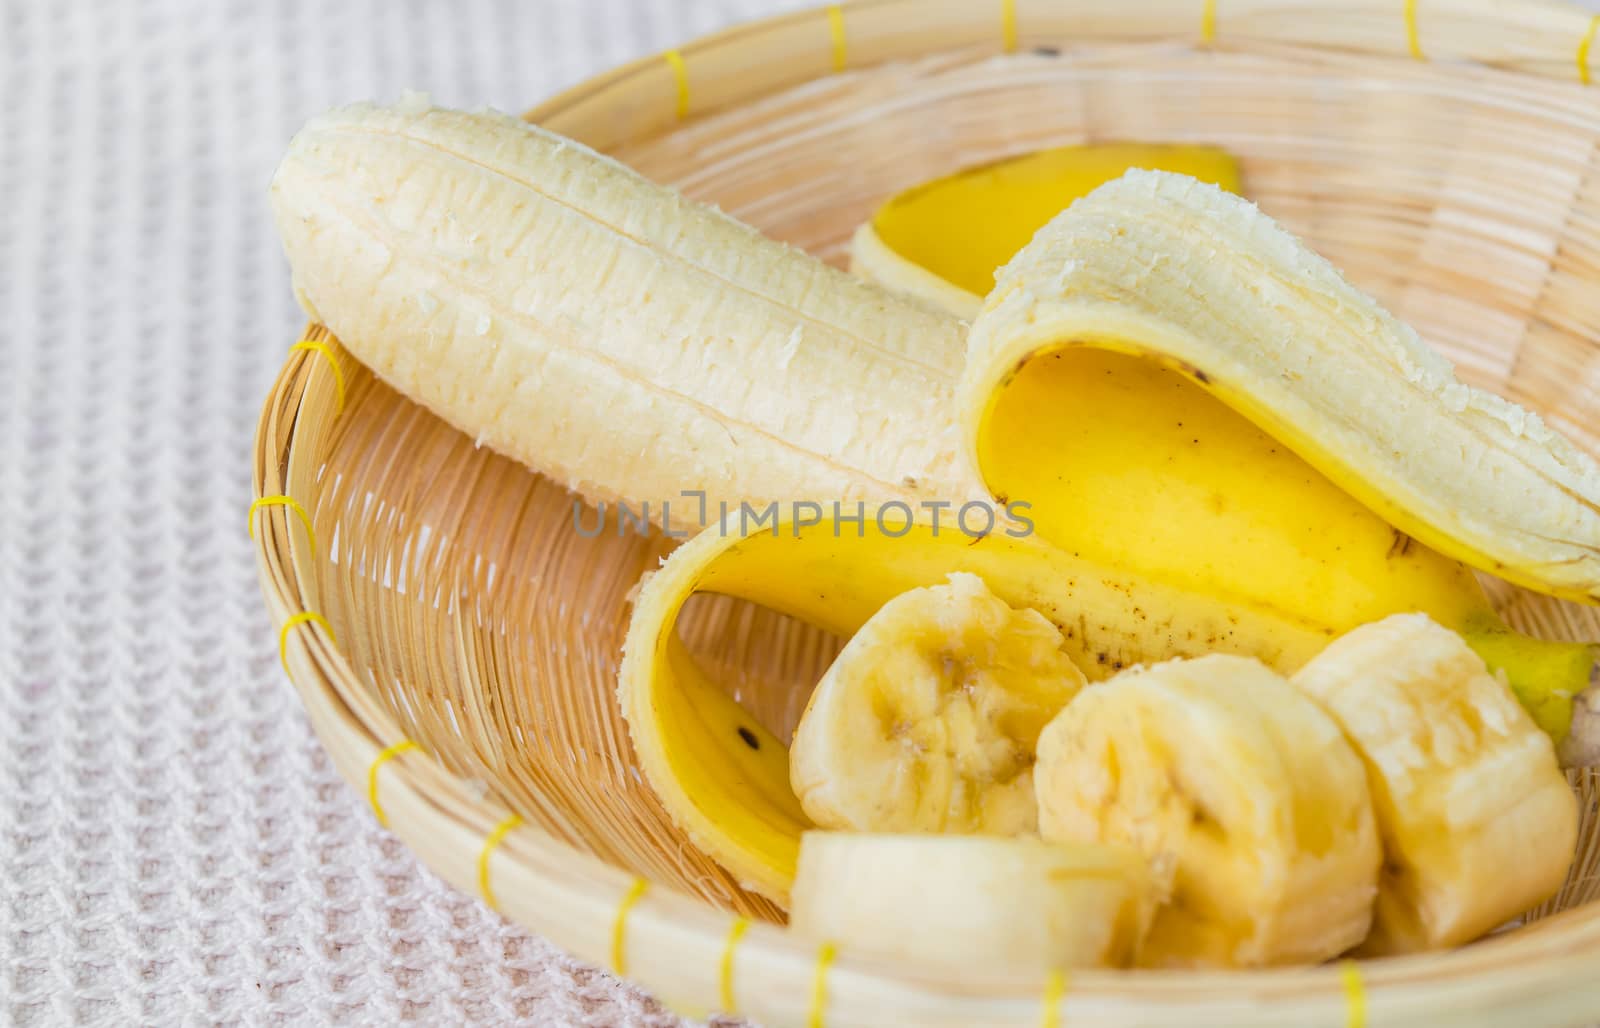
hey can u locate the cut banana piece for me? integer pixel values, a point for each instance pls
(958, 902)
(927, 720)
(1242, 793)
(1478, 823)
(942, 241)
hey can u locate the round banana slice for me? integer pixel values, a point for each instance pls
(1478, 823)
(957, 902)
(927, 720)
(1247, 800)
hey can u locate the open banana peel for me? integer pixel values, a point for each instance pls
(1192, 437)
(733, 796)
(943, 241)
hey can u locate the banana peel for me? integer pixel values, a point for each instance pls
(942, 241)
(1326, 461)
(726, 780)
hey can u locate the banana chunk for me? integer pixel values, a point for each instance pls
(927, 719)
(1478, 823)
(1250, 805)
(957, 902)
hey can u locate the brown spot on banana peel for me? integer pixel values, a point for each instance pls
(1401, 545)
(1581, 747)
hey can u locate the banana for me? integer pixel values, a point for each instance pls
(955, 902)
(1249, 804)
(730, 791)
(927, 720)
(1478, 823)
(942, 241)
(602, 329)
(636, 346)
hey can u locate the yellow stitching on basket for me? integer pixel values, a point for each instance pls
(1008, 25)
(819, 985)
(725, 971)
(489, 844)
(318, 346)
(1055, 987)
(836, 29)
(304, 617)
(1208, 22)
(619, 927)
(385, 755)
(1355, 996)
(282, 501)
(680, 75)
(1413, 40)
(1583, 50)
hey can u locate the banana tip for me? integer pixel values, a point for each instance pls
(1581, 747)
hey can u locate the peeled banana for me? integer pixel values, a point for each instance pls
(1249, 804)
(928, 719)
(942, 241)
(602, 329)
(636, 346)
(1478, 823)
(956, 902)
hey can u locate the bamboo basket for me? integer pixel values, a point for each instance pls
(455, 642)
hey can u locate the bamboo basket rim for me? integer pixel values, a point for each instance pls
(651, 933)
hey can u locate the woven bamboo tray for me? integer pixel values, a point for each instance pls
(455, 641)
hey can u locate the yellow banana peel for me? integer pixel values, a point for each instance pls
(942, 241)
(725, 779)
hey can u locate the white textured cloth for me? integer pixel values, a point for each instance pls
(174, 846)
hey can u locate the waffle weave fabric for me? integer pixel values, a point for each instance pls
(175, 848)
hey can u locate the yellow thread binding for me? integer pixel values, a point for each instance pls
(283, 501)
(680, 75)
(1355, 996)
(736, 932)
(304, 617)
(1583, 50)
(819, 985)
(1008, 25)
(489, 844)
(1413, 40)
(619, 938)
(1055, 987)
(385, 755)
(318, 346)
(836, 28)
(1208, 23)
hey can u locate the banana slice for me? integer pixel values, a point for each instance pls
(1250, 805)
(927, 720)
(956, 902)
(1478, 823)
